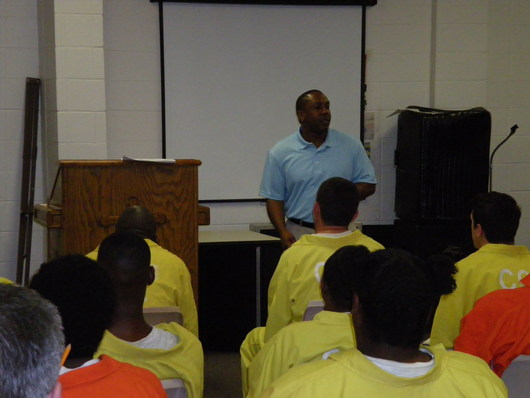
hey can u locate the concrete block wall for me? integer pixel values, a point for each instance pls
(483, 59)
(398, 74)
(19, 58)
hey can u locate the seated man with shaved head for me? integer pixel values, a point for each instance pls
(172, 285)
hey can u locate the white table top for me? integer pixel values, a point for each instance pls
(234, 236)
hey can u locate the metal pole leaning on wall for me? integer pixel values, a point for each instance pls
(29, 162)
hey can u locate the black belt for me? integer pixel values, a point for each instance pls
(302, 223)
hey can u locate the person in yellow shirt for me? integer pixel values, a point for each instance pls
(296, 280)
(172, 284)
(168, 350)
(497, 264)
(393, 303)
(330, 331)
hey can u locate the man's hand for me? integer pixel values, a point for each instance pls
(287, 239)
(276, 214)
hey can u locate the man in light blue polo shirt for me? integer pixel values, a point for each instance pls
(298, 164)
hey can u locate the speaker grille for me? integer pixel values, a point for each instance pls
(442, 161)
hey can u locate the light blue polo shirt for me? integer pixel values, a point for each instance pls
(295, 168)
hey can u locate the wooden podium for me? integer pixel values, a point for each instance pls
(88, 197)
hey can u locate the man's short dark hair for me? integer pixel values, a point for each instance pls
(399, 294)
(83, 293)
(125, 256)
(498, 214)
(338, 199)
(31, 343)
(304, 99)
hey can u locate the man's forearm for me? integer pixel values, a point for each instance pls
(276, 213)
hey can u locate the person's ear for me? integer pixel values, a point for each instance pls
(300, 115)
(356, 304)
(57, 391)
(151, 276)
(316, 211)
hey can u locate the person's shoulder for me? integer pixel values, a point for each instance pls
(93, 255)
(184, 335)
(132, 370)
(370, 243)
(464, 363)
(163, 256)
(136, 375)
(155, 247)
(302, 378)
(286, 143)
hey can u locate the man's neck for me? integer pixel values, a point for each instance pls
(317, 138)
(392, 353)
(326, 229)
(130, 329)
(128, 322)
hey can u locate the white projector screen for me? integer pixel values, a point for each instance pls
(232, 76)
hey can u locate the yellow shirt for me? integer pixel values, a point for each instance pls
(298, 343)
(492, 267)
(351, 374)
(296, 280)
(184, 361)
(172, 285)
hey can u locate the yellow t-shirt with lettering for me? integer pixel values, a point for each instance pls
(494, 266)
(296, 280)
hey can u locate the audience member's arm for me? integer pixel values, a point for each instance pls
(186, 302)
(474, 330)
(279, 310)
(273, 360)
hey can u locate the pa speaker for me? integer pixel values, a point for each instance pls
(442, 161)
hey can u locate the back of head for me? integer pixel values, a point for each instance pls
(399, 295)
(338, 200)
(84, 295)
(499, 215)
(31, 343)
(127, 258)
(139, 221)
(342, 269)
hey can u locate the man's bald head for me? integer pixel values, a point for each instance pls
(138, 221)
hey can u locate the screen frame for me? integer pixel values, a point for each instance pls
(362, 3)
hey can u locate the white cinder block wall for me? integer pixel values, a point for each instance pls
(447, 54)
(19, 58)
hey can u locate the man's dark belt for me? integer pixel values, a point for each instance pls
(302, 223)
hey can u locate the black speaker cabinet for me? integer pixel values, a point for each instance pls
(442, 161)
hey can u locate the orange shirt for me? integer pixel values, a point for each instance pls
(497, 329)
(111, 379)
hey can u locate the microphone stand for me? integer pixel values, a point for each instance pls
(513, 129)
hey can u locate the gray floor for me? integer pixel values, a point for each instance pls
(222, 375)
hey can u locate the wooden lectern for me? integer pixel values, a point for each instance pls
(89, 196)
